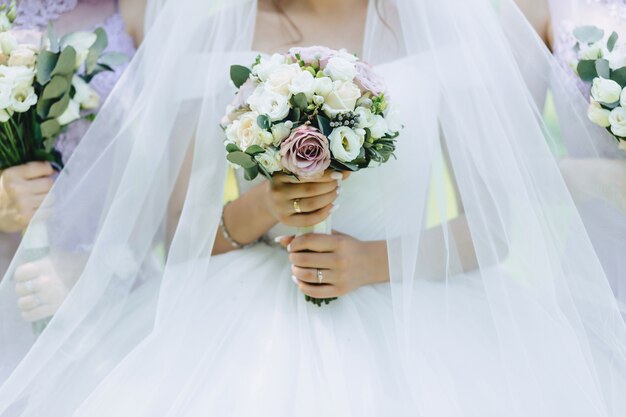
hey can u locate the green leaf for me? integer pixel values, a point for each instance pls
(46, 61)
(231, 147)
(50, 128)
(254, 150)
(588, 34)
(59, 107)
(619, 76)
(251, 173)
(98, 47)
(43, 108)
(53, 38)
(587, 70)
(343, 166)
(57, 87)
(239, 74)
(264, 172)
(299, 101)
(612, 41)
(264, 122)
(324, 125)
(66, 63)
(242, 159)
(603, 69)
(112, 59)
(99, 69)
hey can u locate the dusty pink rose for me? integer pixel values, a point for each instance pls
(305, 152)
(368, 80)
(313, 54)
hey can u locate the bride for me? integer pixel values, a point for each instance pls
(501, 311)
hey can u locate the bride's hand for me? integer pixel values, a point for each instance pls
(286, 195)
(345, 263)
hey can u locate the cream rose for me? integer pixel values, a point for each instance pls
(23, 98)
(303, 83)
(22, 56)
(342, 99)
(270, 160)
(345, 144)
(275, 106)
(618, 122)
(598, 115)
(280, 79)
(340, 69)
(71, 114)
(605, 91)
(245, 131)
(86, 96)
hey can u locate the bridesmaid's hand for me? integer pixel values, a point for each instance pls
(314, 198)
(22, 190)
(345, 263)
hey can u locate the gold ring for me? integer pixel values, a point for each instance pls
(296, 206)
(320, 276)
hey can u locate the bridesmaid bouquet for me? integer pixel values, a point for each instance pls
(308, 111)
(602, 62)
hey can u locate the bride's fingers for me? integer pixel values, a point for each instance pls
(310, 189)
(314, 242)
(310, 219)
(328, 176)
(309, 205)
(319, 291)
(310, 275)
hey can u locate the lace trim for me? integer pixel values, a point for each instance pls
(37, 13)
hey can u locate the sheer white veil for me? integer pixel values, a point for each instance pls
(135, 314)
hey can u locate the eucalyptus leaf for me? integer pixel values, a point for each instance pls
(46, 61)
(324, 125)
(603, 69)
(50, 128)
(53, 38)
(588, 34)
(264, 172)
(619, 76)
(254, 150)
(612, 41)
(231, 147)
(299, 100)
(264, 122)
(587, 70)
(343, 166)
(43, 108)
(251, 173)
(57, 87)
(239, 74)
(242, 159)
(59, 107)
(99, 69)
(113, 59)
(66, 63)
(98, 47)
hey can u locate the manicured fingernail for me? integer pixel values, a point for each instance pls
(334, 209)
(277, 239)
(336, 175)
(339, 188)
(289, 247)
(294, 279)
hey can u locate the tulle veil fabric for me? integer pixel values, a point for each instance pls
(558, 340)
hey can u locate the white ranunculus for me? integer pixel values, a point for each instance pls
(340, 69)
(245, 131)
(7, 43)
(71, 114)
(81, 42)
(342, 99)
(303, 83)
(380, 128)
(23, 98)
(280, 79)
(270, 159)
(345, 144)
(366, 117)
(17, 76)
(5, 115)
(281, 131)
(22, 56)
(618, 122)
(605, 91)
(591, 52)
(622, 100)
(86, 96)
(598, 115)
(275, 106)
(267, 66)
(323, 86)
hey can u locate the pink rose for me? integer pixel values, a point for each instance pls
(305, 152)
(313, 54)
(368, 80)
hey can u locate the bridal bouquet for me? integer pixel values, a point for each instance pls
(602, 62)
(308, 111)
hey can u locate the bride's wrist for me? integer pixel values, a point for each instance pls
(377, 252)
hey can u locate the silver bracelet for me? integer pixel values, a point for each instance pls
(228, 236)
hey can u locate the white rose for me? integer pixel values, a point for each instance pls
(245, 131)
(303, 83)
(591, 52)
(275, 106)
(342, 99)
(618, 122)
(267, 66)
(17, 75)
(22, 56)
(380, 128)
(323, 86)
(5, 115)
(279, 80)
(81, 42)
(605, 91)
(71, 114)
(598, 115)
(86, 96)
(340, 69)
(366, 117)
(345, 144)
(281, 131)
(23, 98)
(270, 159)
(5, 23)
(7, 43)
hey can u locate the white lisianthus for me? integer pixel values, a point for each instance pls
(267, 66)
(71, 114)
(598, 115)
(345, 144)
(5, 115)
(6, 93)
(270, 160)
(275, 106)
(591, 52)
(605, 91)
(303, 83)
(81, 42)
(617, 119)
(17, 76)
(281, 131)
(342, 99)
(86, 96)
(22, 56)
(379, 128)
(622, 100)
(340, 69)
(23, 98)
(323, 86)
(7, 43)
(280, 79)
(366, 117)
(394, 121)
(245, 131)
